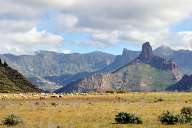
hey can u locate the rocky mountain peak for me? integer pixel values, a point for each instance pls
(147, 52)
(147, 57)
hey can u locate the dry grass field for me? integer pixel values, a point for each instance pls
(91, 110)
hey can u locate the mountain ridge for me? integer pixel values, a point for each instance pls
(54, 67)
(128, 77)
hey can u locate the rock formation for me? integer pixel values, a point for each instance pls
(147, 52)
(148, 57)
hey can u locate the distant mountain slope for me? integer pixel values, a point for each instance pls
(185, 84)
(146, 72)
(13, 81)
(121, 60)
(52, 70)
(181, 57)
(46, 64)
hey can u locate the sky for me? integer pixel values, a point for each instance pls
(83, 26)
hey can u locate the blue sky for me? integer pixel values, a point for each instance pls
(185, 25)
(85, 26)
(48, 24)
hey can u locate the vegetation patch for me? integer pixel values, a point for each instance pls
(184, 117)
(168, 118)
(12, 120)
(127, 118)
(159, 99)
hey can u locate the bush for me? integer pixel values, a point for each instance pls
(186, 110)
(168, 118)
(12, 120)
(54, 104)
(185, 115)
(183, 119)
(158, 99)
(127, 118)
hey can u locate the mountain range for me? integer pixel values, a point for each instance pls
(147, 72)
(51, 70)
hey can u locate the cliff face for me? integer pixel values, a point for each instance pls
(145, 73)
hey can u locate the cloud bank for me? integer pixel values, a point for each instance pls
(38, 24)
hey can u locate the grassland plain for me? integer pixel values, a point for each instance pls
(91, 110)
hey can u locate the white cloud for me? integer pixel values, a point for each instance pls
(109, 22)
(34, 37)
(28, 42)
(64, 22)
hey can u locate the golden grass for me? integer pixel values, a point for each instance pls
(91, 111)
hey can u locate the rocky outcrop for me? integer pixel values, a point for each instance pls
(148, 57)
(147, 52)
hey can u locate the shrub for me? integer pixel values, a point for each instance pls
(183, 119)
(54, 104)
(12, 120)
(186, 110)
(185, 115)
(168, 118)
(159, 99)
(127, 118)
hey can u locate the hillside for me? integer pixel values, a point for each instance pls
(147, 72)
(185, 84)
(13, 81)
